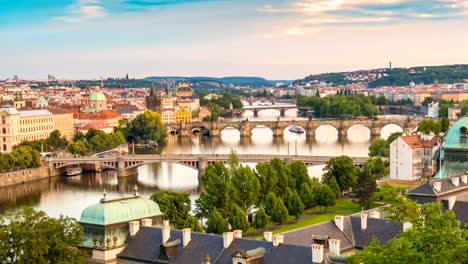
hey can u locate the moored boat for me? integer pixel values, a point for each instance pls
(296, 129)
(74, 170)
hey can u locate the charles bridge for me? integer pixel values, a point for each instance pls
(127, 165)
(375, 125)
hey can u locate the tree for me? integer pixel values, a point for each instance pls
(444, 124)
(78, 136)
(233, 161)
(270, 203)
(325, 197)
(434, 237)
(343, 170)
(267, 178)
(299, 173)
(307, 196)
(29, 236)
(428, 125)
(175, 205)
(218, 191)
(238, 218)
(365, 188)
(79, 147)
(379, 147)
(427, 101)
(393, 137)
(246, 187)
(282, 174)
(261, 218)
(192, 223)
(295, 206)
(145, 127)
(26, 157)
(216, 223)
(333, 184)
(56, 141)
(377, 167)
(280, 213)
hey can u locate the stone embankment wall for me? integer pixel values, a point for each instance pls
(22, 176)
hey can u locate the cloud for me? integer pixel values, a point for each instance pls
(301, 31)
(83, 10)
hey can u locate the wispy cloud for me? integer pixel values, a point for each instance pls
(83, 10)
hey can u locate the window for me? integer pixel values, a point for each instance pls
(4, 147)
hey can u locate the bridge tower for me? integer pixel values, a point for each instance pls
(246, 129)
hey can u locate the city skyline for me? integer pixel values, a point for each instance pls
(271, 39)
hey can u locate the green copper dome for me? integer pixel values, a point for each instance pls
(97, 96)
(119, 210)
(41, 100)
(454, 138)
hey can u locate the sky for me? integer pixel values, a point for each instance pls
(78, 39)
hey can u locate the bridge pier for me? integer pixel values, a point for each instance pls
(255, 111)
(375, 132)
(278, 132)
(52, 170)
(343, 133)
(122, 170)
(282, 112)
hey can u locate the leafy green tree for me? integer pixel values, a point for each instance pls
(216, 223)
(343, 170)
(270, 203)
(78, 136)
(434, 237)
(29, 236)
(393, 137)
(267, 178)
(218, 191)
(444, 124)
(325, 197)
(295, 206)
(145, 127)
(365, 188)
(56, 141)
(379, 147)
(233, 161)
(79, 147)
(261, 218)
(192, 222)
(238, 218)
(246, 187)
(427, 101)
(299, 173)
(283, 175)
(333, 184)
(175, 205)
(307, 196)
(427, 126)
(377, 167)
(26, 157)
(280, 213)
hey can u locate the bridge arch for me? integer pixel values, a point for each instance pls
(200, 130)
(317, 130)
(350, 130)
(193, 164)
(172, 130)
(390, 128)
(104, 164)
(275, 110)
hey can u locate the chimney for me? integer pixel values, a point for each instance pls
(317, 253)
(407, 225)
(166, 231)
(237, 233)
(134, 226)
(437, 185)
(455, 181)
(363, 221)
(186, 236)
(278, 239)
(374, 214)
(147, 222)
(451, 201)
(339, 222)
(227, 239)
(334, 246)
(464, 178)
(268, 236)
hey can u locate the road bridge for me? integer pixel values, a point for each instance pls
(126, 165)
(310, 126)
(281, 108)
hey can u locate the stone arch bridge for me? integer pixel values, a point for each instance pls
(310, 126)
(127, 165)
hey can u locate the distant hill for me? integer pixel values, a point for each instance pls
(224, 81)
(393, 77)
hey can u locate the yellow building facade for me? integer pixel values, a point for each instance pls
(183, 115)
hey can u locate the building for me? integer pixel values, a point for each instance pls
(184, 91)
(455, 150)
(24, 125)
(453, 112)
(204, 112)
(41, 102)
(97, 101)
(63, 122)
(104, 120)
(433, 110)
(168, 116)
(420, 97)
(193, 104)
(108, 224)
(437, 190)
(183, 115)
(153, 100)
(411, 157)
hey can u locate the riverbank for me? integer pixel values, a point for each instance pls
(23, 176)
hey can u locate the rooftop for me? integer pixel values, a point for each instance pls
(31, 113)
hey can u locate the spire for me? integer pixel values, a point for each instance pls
(104, 194)
(135, 191)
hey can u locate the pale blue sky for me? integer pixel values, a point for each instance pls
(273, 39)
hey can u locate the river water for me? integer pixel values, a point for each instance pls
(69, 196)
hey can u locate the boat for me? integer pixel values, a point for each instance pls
(296, 129)
(74, 170)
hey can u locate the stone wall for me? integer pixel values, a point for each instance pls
(22, 176)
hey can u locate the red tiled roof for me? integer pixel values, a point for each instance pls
(105, 114)
(415, 141)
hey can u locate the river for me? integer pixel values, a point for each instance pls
(69, 196)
